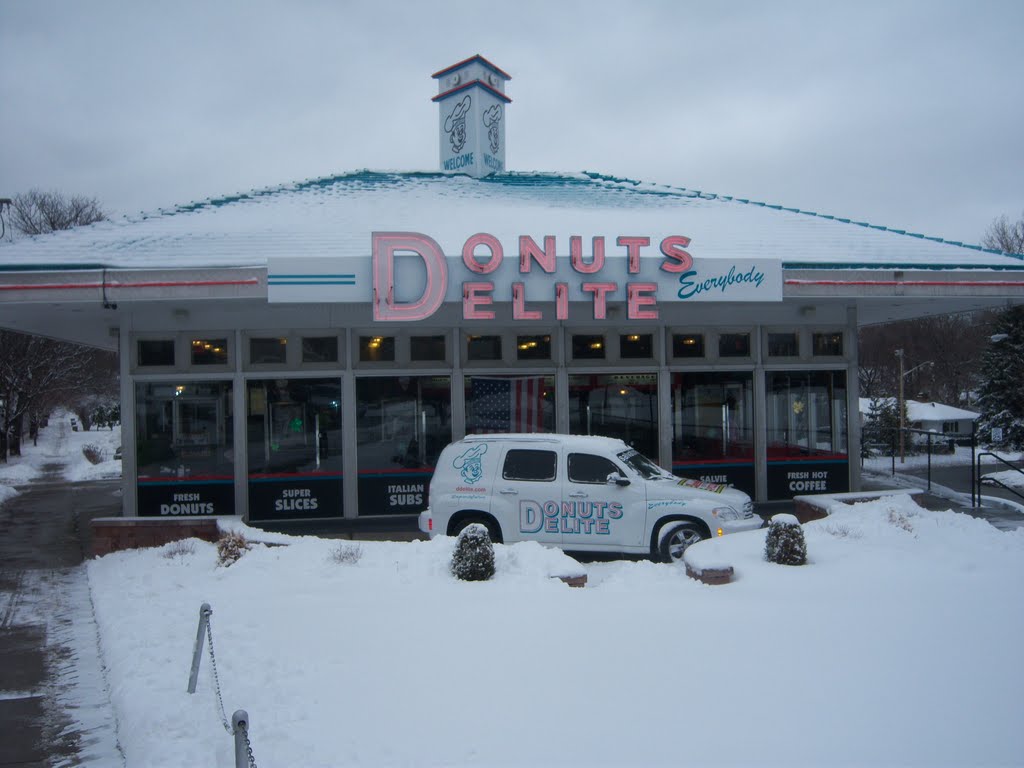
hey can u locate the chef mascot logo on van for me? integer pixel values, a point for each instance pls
(470, 464)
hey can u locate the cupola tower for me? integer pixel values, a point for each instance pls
(471, 100)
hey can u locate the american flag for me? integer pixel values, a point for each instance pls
(513, 404)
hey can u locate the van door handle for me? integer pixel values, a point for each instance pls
(579, 495)
(512, 491)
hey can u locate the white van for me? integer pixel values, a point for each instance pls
(579, 493)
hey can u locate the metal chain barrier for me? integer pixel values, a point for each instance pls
(216, 679)
(239, 725)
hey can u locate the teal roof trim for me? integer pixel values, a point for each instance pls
(905, 267)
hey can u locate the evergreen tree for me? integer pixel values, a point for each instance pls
(1001, 394)
(473, 558)
(880, 427)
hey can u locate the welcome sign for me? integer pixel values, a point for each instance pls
(409, 276)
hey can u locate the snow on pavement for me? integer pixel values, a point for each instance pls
(870, 654)
(885, 649)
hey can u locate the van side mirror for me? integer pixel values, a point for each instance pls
(617, 479)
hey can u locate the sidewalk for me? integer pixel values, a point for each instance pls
(950, 488)
(54, 708)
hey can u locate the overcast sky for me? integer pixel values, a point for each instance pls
(905, 114)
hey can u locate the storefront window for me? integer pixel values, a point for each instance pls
(293, 429)
(184, 448)
(827, 344)
(687, 345)
(268, 351)
(156, 352)
(783, 345)
(807, 433)
(636, 346)
(403, 423)
(376, 349)
(209, 351)
(510, 404)
(616, 405)
(428, 348)
(587, 347)
(713, 428)
(483, 348)
(533, 347)
(734, 345)
(319, 349)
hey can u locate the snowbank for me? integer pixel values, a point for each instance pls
(861, 657)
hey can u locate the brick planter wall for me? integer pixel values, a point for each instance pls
(807, 508)
(113, 534)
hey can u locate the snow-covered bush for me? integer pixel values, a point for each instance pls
(230, 547)
(473, 559)
(181, 548)
(346, 553)
(93, 453)
(785, 542)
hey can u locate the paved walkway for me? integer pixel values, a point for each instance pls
(54, 708)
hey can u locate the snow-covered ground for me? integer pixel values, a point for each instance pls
(886, 649)
(895, 645)
(59, 444)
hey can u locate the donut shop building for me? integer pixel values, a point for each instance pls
(304, 352)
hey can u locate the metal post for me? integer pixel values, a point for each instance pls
(929, 462)
(974, 445)
(892, 452)
(240, 729)
(197, 650)
(899, 405)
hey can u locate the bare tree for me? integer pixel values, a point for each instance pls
(35, 375)
(1005, 235)
(941, 355)
(36, 212)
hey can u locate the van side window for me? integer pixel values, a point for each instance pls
(588, 468)
(530, 465)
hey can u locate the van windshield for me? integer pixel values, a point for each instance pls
(643, 466)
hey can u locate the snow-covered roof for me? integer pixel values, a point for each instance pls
(335, 216)
(918, 411)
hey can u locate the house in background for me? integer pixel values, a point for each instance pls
(930, 417)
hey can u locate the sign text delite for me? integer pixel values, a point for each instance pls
(482, 254)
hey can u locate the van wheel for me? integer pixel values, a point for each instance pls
(492, 529)
(678, 538)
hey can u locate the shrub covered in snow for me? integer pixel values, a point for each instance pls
(181, 548)
(93, 453)
(785, 542)
(473, 559)
(230, 547)
(346, 553)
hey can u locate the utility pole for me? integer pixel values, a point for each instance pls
(900, 401)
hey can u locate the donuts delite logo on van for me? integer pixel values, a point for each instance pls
(568, 517)
(470, 464)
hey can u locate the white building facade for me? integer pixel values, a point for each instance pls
(305, 352)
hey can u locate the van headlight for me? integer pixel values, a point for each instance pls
(725, 513)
